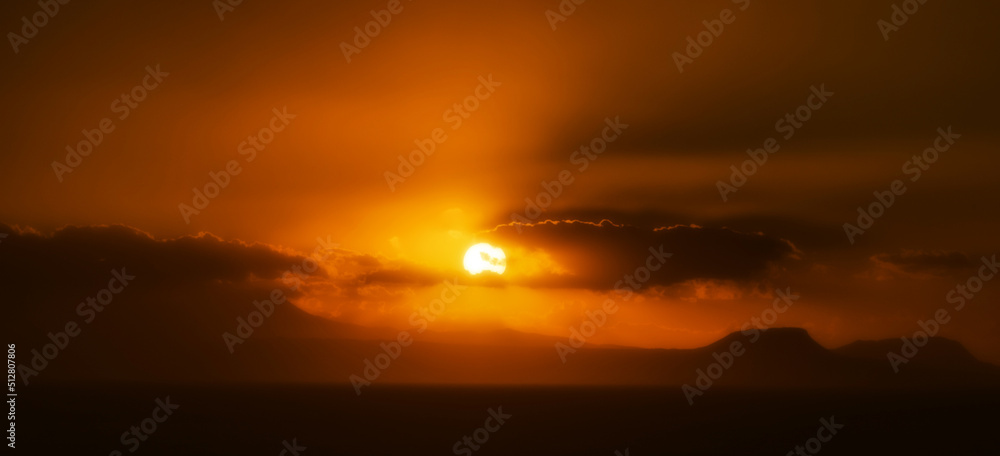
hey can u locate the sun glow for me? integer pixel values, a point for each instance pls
(485, 257)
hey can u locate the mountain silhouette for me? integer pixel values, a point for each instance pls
(151, 337)
(939, 352)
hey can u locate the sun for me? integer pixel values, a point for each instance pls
(485, 257)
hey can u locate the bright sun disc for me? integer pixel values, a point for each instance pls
(485, 257)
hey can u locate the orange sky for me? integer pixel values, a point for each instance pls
(323, 174)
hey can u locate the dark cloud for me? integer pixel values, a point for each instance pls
(597, 255)
(915, 262)
(804, 233)
(167, 322)
(82, 255)
(77, 254)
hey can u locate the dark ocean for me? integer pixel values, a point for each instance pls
(395, 420)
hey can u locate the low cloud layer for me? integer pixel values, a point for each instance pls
(924, 263)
